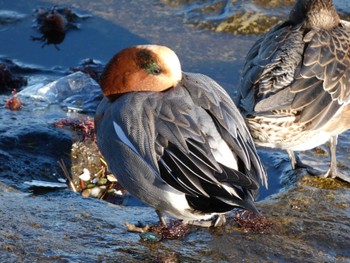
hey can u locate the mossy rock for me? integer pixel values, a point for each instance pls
(323, 183)
(273, 3)
(248, 23)
(243, 17)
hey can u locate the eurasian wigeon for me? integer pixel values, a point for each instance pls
(175, 140)
(295, 85)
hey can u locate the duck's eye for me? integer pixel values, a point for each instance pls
(153, 69)
(156, 71)
(146, 61)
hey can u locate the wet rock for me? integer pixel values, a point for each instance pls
(247, 23)
(10, 17)
(273, 3)
(90, 67)
(236, 16)
(10, 81)
(309, 224)
(30, 147)
(310, 221)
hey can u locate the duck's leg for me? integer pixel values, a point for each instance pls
(219, 221)
(333, 170)
(297, 163)
(293, 161)
(161, 218)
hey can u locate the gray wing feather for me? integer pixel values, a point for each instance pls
(270, 67)
(209, 95)
(178, 142)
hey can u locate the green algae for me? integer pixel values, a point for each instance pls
(242, 17)
(248, 23)
(273, 3)
(323, 183)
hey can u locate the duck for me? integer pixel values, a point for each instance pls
(175, 140)
(295, 84)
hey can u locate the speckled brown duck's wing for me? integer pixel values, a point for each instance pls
(307, 71)
(269, 69)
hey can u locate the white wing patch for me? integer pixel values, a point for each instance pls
(122, 136)
(222, 153)
(231, 190)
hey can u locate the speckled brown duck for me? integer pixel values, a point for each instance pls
(295, 85)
